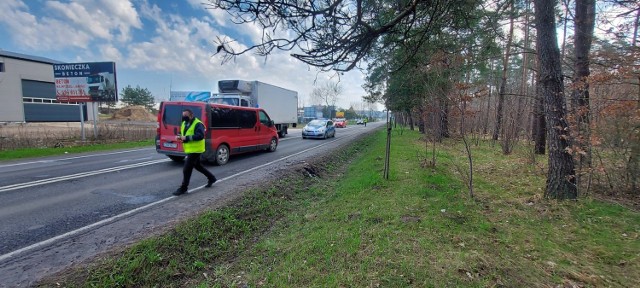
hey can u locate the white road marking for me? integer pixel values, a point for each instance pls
(77, 175)
(139, 159)
(116, 217)
(80, 230)
(71, 158)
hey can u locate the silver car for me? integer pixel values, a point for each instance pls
(321, 129)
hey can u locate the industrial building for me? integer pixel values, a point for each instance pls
(28, 92)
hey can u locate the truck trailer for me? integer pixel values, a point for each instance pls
(281, 104)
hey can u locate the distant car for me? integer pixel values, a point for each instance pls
(360, 122)
(340, 123)
(321, 129)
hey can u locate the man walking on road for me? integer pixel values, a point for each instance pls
(192, 138)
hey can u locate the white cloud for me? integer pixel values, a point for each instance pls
(100, 17)
(77, 16)
(176, 48)
(30, 32)
(110, 53)
(11, 5)
(65, 25)
(220, 17)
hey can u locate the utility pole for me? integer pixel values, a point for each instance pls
(388, 149)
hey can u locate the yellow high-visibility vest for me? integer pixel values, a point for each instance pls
(192, 146)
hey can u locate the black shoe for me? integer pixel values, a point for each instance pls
(210, 182)
(180, 191)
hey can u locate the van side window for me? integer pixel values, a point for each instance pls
(224, 118)
(247, 118)
(244, 103)
(264, 119)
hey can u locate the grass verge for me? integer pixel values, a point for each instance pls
(337, 223)
(42, 152)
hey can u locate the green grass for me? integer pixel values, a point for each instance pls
(348, 227)
(41, 152)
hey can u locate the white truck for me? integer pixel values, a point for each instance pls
(102, 86)
(281, 104)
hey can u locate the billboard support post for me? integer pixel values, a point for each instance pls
(95, 120)
(82, 121)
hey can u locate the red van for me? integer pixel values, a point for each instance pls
(229, 130)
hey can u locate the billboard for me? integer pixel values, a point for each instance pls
(202, 96)
(86, 82)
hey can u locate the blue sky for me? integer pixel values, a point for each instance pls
(159, 45)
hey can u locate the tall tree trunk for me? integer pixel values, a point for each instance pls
(561, 182)
(565, 20)
(486, 119)
(539, 126)
(410, 118)
(444, 118)
(584, 24)
(421, 121)
(503, 80)
(525, 65)
(634, 158)
(525, 58)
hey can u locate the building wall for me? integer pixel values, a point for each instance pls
(15, 70)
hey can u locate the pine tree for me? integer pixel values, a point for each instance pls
(137, 96)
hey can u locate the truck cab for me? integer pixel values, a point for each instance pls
(231, 99)
(101, 85)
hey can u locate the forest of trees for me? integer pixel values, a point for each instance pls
(562, 77)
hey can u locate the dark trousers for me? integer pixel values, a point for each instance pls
(193, 161)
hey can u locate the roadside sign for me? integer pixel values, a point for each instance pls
(86, 82)
(202, 96)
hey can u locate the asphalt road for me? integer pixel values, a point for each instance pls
(61, 211)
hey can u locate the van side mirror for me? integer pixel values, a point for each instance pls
(271, 123)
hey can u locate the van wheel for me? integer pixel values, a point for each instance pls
(176, 158)
(273, 145)
(222, 154)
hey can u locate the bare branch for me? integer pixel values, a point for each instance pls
(333, 34)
